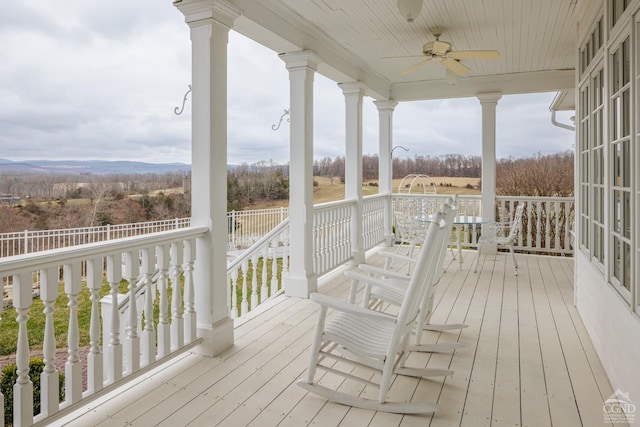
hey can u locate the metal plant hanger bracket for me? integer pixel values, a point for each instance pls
(179, 110)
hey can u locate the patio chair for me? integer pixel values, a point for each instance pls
(501, 234)
(359, 337)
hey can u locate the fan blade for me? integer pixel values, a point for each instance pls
(474, 54)
(440, 48)
(455, 66)
(415, 67)
(403, 56)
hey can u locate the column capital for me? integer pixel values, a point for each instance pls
(386, 104)
(202, 12)
(301, 59)
(353, 88)
(489, 98)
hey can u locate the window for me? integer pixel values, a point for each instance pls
(616, 9)
(619, 168)
(591, 155)
(591, 47)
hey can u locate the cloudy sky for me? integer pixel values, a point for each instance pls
(86, 79)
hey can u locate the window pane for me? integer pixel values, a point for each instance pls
(625, 159)
(598, 164)
(615, 159)
(615, 71)
(617, 211)
(617, 260)
(598, 134)
(625, 114)
(626, 65)
(584, 231)
(627, 266)
(626, 215)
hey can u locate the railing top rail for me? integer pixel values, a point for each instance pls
(331, 205)
(436, 196)
(11, 265)
(536, 198)
(375, 196)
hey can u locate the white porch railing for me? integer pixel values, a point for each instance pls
(373, 220)
(24, 242)
(256, 274)
(331, 235)
(171, 254)
(546, 222)
(247, 227)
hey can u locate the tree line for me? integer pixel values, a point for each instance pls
(452, 165)
(68, 201)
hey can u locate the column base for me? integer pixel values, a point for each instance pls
(357, 258)
(389, 240)
(300, 287)
(215, 338)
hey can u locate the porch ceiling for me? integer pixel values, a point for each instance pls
(536, 41)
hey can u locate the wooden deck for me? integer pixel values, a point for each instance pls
(527, 360)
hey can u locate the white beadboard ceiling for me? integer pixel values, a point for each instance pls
(536, 40)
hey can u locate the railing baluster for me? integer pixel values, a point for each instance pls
(274, 266)
(148, 334)
(265, 253)
(49, 385)
(164, 335)
(177, 321)
(73, 367)
(132, 341)
(254, 284)
(23, 388)
(190, 317)
(233, 305)
(244, 303)
(95, 375)
(114, 350)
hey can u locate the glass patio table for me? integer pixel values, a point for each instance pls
(459, 221)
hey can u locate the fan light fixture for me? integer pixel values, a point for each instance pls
(410, 9)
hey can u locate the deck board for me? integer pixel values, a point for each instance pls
(527, 360)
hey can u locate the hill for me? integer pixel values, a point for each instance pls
(95, 167)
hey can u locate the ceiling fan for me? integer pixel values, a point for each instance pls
(441, 51)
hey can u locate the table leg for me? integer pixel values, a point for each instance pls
(458, 237)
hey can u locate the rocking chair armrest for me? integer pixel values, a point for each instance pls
(383, 272)
(354, 275)
(345, 307)
(397, 257)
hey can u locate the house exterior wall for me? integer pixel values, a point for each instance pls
(607, 278)
(613, 328)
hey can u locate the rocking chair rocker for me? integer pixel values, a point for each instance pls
(360, 337)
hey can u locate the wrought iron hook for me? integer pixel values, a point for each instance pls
(286, 113)
(179, 111)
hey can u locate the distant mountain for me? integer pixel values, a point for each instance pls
(96, 167)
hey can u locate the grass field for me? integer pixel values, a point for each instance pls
(329, 190)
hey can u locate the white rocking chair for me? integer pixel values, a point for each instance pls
(360, 337)
(498, 236)
(391, 287)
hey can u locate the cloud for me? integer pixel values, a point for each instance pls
(100, 80)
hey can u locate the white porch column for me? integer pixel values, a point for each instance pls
(353, 94)
(210, 22)
(301, 279)
(489, 102)
(385, 162)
